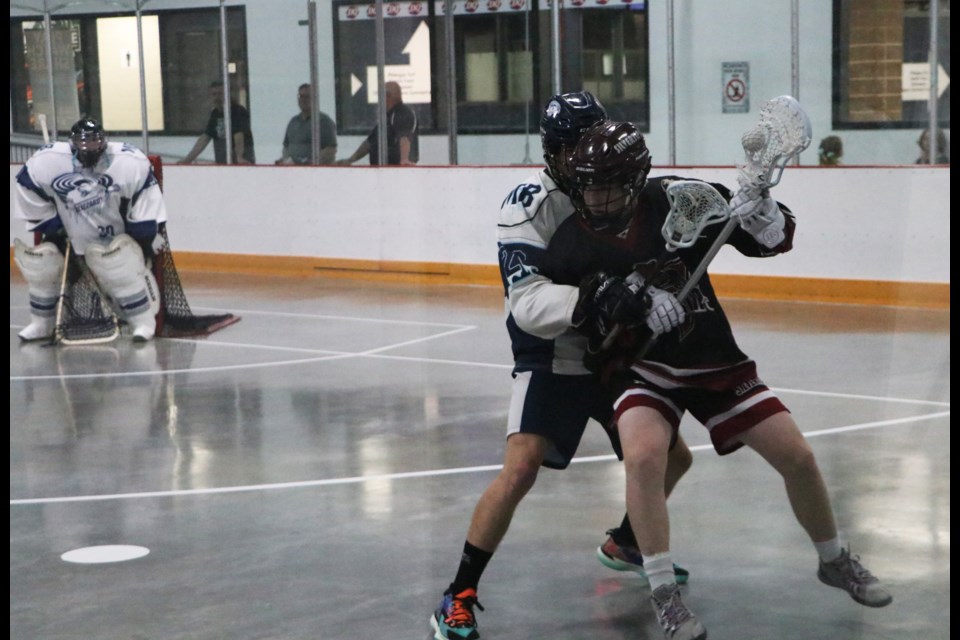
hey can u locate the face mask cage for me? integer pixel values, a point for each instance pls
(606, 206)
(87, 147)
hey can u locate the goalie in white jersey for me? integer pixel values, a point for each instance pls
(104, 199)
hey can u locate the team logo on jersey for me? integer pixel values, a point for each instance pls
(523, 194)
(81, 192)
(514, 266)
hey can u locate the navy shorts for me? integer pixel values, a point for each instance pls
(558, 407)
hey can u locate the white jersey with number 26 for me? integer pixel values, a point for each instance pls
(119, 195)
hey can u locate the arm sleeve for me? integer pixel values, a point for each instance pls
(146, 209)
(528, 219)
(543, 308)
(328, 132)
(745, 243)
(748, 245)
(405, 122)
(211, 129)
(31, 202)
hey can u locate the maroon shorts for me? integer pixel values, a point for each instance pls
(727, 401)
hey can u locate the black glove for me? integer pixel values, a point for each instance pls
(607, 301)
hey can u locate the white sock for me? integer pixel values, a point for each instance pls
(659, 568)
(829, 550)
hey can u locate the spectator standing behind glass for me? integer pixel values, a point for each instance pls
(924, 142)
(831, 151)
(298, 140)
(403, 144)
(215, 130)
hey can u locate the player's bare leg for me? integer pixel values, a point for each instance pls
(454, 618)
(494, 511)
(645, 436)
(778, 440)
(619, 551)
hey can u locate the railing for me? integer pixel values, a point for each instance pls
(22, 146)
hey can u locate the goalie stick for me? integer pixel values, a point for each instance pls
(783, 132)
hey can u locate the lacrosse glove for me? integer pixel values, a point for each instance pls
(605, 302)
(666, 313)
(759, 214)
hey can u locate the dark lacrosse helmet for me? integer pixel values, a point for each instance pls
(563, 120)
(87, 141)
(609, 168)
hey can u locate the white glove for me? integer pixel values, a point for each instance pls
(666, 312)
(759, 215)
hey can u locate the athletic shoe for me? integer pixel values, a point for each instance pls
(674, 617)
(621, 557)
(848, 574)
(454, 619)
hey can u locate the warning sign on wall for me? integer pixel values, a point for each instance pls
(736, 87)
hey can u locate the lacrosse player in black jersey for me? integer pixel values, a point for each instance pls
(694, 363)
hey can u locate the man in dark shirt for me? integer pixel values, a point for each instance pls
(216, 128)
(403, 144)
(298, 139)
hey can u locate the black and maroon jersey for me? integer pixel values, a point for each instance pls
(705, 340)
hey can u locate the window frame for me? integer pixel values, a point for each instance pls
(90, 104)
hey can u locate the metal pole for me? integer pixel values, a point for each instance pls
(795, 56)
(449, 9)
(144, 135)
(48, 41)
(671, 89)
(225, 73)
(555, 43)
(316, 142)
(381, 90)
(526, 112)
(933, 124)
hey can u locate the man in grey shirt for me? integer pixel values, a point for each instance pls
(298, 140)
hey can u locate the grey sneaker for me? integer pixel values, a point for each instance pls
(677, 621)
(848, 574)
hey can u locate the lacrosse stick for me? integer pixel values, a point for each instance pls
(43, 127)
(783, 132)
(694, 205)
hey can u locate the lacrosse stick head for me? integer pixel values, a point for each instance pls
(694, 205)
(784, 130)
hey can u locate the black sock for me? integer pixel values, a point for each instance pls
(472, 563)
(623, 535)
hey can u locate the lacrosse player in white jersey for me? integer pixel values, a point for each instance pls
(102, 199)
(554, 395)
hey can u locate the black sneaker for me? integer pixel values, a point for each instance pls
(622, 557)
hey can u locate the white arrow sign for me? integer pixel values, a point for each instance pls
(355, 84)
(916, 81)
(413, 78)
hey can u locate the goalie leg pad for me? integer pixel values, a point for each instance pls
(121, 271)
(42, 268)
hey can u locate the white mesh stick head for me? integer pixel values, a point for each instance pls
(693, 206)
(784, 131)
